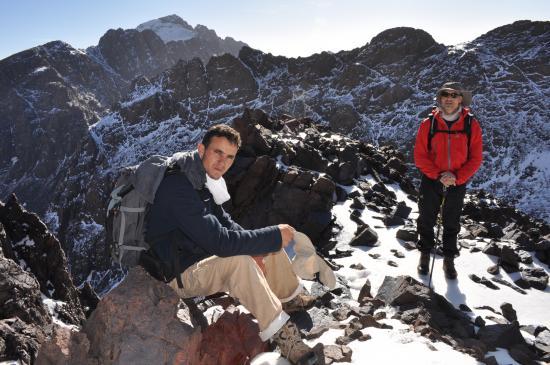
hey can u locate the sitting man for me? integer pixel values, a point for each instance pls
(214, 254)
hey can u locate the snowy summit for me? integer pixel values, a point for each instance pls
(170, 28)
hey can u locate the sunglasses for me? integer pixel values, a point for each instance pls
(446, 94)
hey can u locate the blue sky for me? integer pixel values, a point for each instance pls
(282, 27)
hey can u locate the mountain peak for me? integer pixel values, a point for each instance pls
(169, 28)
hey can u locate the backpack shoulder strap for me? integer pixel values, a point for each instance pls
(433, 123)
(468, 129)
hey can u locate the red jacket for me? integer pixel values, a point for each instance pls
(449, 152)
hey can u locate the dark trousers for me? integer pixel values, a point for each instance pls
(429, 203)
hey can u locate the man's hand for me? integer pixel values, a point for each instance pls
(287, 233)
(447, 179)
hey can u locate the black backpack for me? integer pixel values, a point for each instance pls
(433, 129)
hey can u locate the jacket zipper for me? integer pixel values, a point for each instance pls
(448, 147)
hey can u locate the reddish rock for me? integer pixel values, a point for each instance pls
(233, 339)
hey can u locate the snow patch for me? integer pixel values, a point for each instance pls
(26, 241)
(39, 70)
(168, 31)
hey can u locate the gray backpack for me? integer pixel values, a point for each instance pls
(131, 198)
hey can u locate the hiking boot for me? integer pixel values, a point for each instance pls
(300, 302)
(292, 347)
(424, 263)
(449, 267)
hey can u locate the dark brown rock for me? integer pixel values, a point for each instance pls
(508, 312)
(137, 323)
(367, 237)
(233, 339)
(429, 313)
(364, 293)
(536, 277)
(501, 335)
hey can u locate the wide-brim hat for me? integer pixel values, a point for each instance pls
(456, 86)
(306, 263)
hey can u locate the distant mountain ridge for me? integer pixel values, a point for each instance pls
(70, 119)
(51, 93)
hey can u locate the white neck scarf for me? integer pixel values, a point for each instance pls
(218, 188)
(451, 117)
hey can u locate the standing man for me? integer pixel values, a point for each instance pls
(448, 152)
(209, 253)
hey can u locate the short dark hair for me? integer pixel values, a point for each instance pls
(222, 130)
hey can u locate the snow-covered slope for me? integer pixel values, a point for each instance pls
(169, 28)
(399, 344)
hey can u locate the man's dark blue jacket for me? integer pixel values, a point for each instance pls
(185, 221)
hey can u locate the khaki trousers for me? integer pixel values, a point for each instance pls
(242, 279)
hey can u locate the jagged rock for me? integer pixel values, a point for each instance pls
(364, 293)
(542, 251)
(407, 233)
(393, 220)
(24, 321)
(315, 332)
(477, 230)
(525, 257)
(508, 284)
(501, 335)
(493, 230)
(430, 313)
(88, 298)
(358, 203)
(32, 243)
(480, 322)
(508, 312)
(349, 336)
(140, 46)
(536, 277)
(341, 314)
(342, 172)
(542, 341)
(337, 353)
(309, 158)
(523, 354)
(483, 280)
(521, 239)
(522, 283)
(509, 259)
(492, 248)
(367, 237)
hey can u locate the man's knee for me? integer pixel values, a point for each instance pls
(240, 262)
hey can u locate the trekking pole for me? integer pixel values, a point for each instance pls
(437, 240)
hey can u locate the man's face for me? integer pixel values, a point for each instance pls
(218, 157)
(450, 100)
